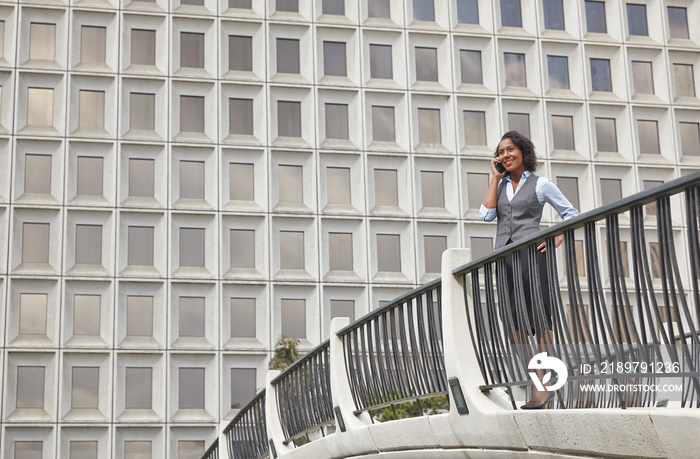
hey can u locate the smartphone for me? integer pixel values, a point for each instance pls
(500, 168)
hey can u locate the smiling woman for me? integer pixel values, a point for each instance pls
(516, 196)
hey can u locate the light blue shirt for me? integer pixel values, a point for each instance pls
(545, 190)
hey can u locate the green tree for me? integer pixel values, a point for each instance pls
(285, 353)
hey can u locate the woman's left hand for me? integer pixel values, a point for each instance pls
(557, 242)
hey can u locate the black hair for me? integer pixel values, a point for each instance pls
(526, 147)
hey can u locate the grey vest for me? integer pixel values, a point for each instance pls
(519, 217)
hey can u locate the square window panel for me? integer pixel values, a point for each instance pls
(293, 318)
(600, 75)
(432, 189)
(610, 190)
(242, 248)
(424, 10)
(240, 53)
(470, 65)
(86, 315)
(42, 41)
(243, 386)
(386, 190)
(83, 450)
(241, 116)
(37, 173)
(141, 177)
(85, 387)
(334, 59)
(28, 450)
(380, 61)
(93, 44)
(433, 246)
(32, 313)
(139, 315)
(191, 385)
(389, 253)
(30, 387)
(336, 7)
(569, 186)
(510, 13)
(477, 183)
(192, 179)
(429, 126)
(137, 449)
(91, 109)
(642, 77)
(515, 69)
(337, 121)
(553, 14)
(140, 245)
(519, 122)
(88, 244)
(191, 316)
(143, 47)
(241, 182)
(379, 9)
(142, 111)
(35, 243)
(426, 64)
(191, 114)
(383, 127)
(343, 308)
(690, 138)
(678, 22)
(637, 19)
(139, 388)
(563, 132)
(90, 172)
(648, 137)
(291, 186)
(192, 247)
(595, 17)
(40, 107)
(685, 81)
(467, 11)
(288, 118)
(558, 71)
(338, 185)
(606, 134)
(340, 251)
(287, 55)
(243, 318)
(291, 249)
(291, 6)
(474, 128)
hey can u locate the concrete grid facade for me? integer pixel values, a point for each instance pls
(183, 182)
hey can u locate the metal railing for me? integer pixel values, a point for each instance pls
(246, 434)
(395, 354)
(213, 451)
(303, 390)
(639, 325)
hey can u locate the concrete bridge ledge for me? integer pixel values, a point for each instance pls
(413, 433)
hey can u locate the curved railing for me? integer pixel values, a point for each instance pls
(395, 354)
(246, 434)
(303, 390)
(613, 323)
(213, 451)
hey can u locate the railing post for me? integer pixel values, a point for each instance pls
(223, 441)
(485, 419)
(275, 432)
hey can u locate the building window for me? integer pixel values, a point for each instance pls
(477, 182)
(563, 132)
(192, 179)
(292, 249)
(338, 185)
(383, 124)
(519, 122)
(429, 126)
(648, 137)
(467, 11)
(685, 82)
(293, 318)
(35, 243)
(242, 317)
(340, 251)
(192, 50)
(88, 244)
(90, 170)
(337, 121)
(287, 55)
(288, 118)
(334, 59)
(600, 75)
(139, 315)
(389, 253)
(343, 308)
(558, 71)
(470, 65)
(424, 10)
(515, 69)
(610, 190)
(655, 262)
(42, 41)
(93, 44)
(143, 47)
(37, 174)
(30, 387)
(86, 315)
(241, 182)
(28, 450)
(291, 6)
(140, 243)
(569, 186)
(191, 316)
(40, 107)
(191, 384)
(291, 187)
(240, 53)
(637, 19)
(141, 177)
(192, 2)
(553, 14)
(32, 313)
(480, 246)
(240, 119)
(678, 22)
(474, 127)
(690, 138)
(595, 17)
(433, 246)
(83, 450)
(191, 114)
(242, 248)
(243, 4)
(142, 114)
(243, 386)
(85, 387)
(432, 189)
(386, 190)
(426, 64)
(137, 449)
(379, 8)
(334, 7)
(192, 247)
(380, 61)
(139, 388)
(648, 184)
(510, 13)
(606, 134)
(642, 77)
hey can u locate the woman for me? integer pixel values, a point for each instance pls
(516, 196)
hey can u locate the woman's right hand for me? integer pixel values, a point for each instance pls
(495, 173)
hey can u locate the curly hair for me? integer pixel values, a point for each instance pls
(526, 147)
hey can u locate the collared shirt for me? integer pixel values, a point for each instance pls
(546, 192)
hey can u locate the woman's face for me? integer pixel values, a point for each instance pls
(510, 156)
